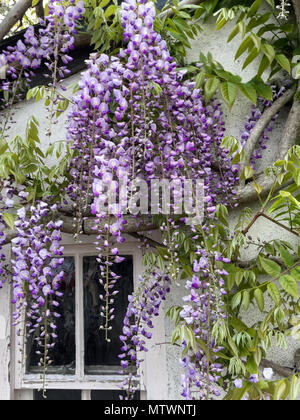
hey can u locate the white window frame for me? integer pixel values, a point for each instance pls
(79, 381)
(153, 379)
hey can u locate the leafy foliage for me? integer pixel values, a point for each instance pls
(269, 282)
(103, 23)
(263, 37)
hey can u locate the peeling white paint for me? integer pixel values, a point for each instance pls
(2, 328)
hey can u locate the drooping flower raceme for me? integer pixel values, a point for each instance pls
(202, 311)
(143, 307)
(37, 255)
(50, 43)
(134, 118)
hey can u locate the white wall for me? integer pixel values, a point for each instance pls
(5, 327)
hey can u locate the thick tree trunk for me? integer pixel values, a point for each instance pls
(138, 224)
(296, 4)
(13, 16)
(263, 123)
(292, 130)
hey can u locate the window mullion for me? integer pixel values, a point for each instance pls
(79, 319)
(86, 395)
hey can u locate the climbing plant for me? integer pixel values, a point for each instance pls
(140, 113)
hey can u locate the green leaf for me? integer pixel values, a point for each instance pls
(246, 300)
(249, 91)
(274, 293)
(110, 11)
(233, 33)
(264, 65)
(32, 93)
(288, 283)
(287, 258)
(210, 88)
(9, 219)
(284, 62)
(251, 365)
(236, 300)
(263, 90)
(257, 188)
(296, 273)
(295, 388)
(247, 43)
(269, 52)
(238, 393)
(254, 8)
(104, 3)
(251, 57)
(229, 92)
(238, 324)
(259, 297)
(210, 6)
(35, 2)
(280, 389)
(247, 173)
(240, 27)
(270, 267)
(296, 176)
(271, 3)
(199, 79)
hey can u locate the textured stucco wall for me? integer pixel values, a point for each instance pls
(215, 42)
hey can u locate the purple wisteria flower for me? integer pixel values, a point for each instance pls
(144, 122)
(203, 310)
(37, 254)
(50, 42)
(143, 306)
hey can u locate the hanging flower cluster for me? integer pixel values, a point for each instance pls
(36, 278)
(283, 8)
(143, 306)
(9, 192)
(134, 118)
(203, 310)
(53, 39)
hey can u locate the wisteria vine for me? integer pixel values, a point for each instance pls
(133, 117)
(203, 309)
(143, 307)
(37, 255)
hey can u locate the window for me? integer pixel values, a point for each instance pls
(84, 365)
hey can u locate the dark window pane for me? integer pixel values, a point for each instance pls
(58, 395)
(110, 395)
(98, 352)
(63, 354)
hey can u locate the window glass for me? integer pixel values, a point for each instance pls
(98, 352)
(63, 354)
(110, 395)
(58, 395)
